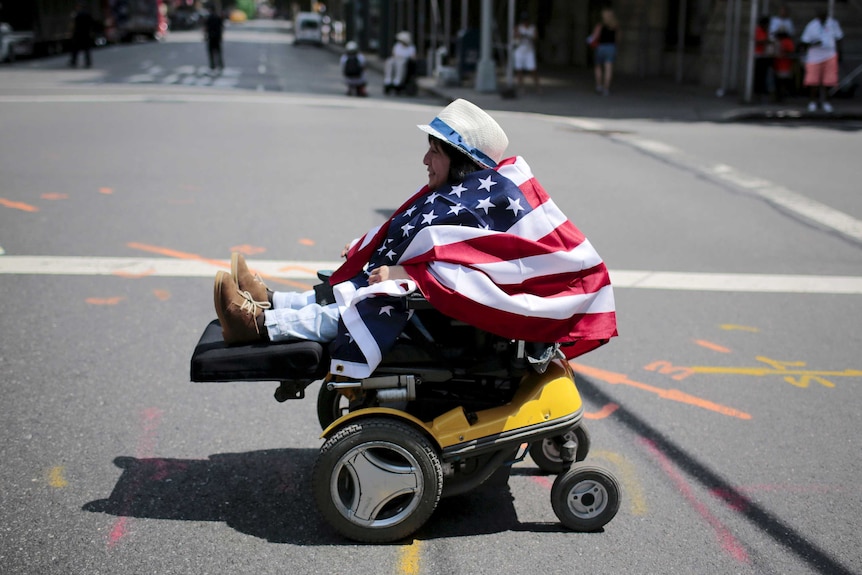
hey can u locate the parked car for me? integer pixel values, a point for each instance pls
(308, 28)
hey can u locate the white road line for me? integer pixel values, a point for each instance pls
(163, 267)
(307, 270)
(778, 195)
(755, 283)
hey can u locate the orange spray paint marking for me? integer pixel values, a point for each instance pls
(670, 394)
(55, 477)
(248, 250)
(18, 205)
(104, 300)
(162, 294)
(604, 412)
(712, 346)
(667, 368)
(306, 242)
(177, 202)
(176, 254)
(218, 263)
(106, 191)
(150, 420)
(130, 275)
(728, 542)
(55, 196)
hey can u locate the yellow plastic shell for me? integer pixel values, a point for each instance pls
(540, 398)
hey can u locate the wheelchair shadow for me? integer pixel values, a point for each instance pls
(267, 494)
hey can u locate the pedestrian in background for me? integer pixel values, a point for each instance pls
(400, 68)
(782, 21)
(763, 58)
(213, 31)
(353, 69)
(785, 51)
(604, 38)
(524, 57)
(82, 35)
(822, 36)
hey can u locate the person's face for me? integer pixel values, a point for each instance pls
(437, 162)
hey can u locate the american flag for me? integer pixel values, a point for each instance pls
(493, 251)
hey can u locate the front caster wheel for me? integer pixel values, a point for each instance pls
(546, 453)
(585, 498)
(377, 480)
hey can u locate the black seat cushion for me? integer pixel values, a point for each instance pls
(214, 360)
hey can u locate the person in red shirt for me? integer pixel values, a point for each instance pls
(783, 65)
(763, 56)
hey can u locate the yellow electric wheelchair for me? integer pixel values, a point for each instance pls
(449, 406)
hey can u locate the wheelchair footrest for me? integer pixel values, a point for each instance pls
(297, 361)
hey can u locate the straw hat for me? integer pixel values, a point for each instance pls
(471, 130)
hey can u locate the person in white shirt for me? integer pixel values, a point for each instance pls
(822, 36)
(781, 21)
(524, 56)
(397, 68)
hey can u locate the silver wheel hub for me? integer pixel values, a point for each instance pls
(377, 484)
(587, 499)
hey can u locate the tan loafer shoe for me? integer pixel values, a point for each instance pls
(237, 312)
(247, 281)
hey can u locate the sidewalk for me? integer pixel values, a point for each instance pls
(571, 93)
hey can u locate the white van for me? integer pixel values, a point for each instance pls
(308, 28)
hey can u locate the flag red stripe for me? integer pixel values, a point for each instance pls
(506, 324)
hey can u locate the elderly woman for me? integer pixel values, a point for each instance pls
(481, 241)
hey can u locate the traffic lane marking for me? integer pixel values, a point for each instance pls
(777, 195)
(180, 264)
(153, 267)
(730, 282)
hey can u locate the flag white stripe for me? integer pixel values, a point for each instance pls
(477, 286)
(517, 271)
(519, 172)
(540, 222)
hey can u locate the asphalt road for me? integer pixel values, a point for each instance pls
(728, 407)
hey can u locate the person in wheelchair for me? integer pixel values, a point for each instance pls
(399, 69)
(481, 241)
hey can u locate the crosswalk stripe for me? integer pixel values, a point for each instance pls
(307, 270)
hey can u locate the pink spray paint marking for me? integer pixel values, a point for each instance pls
(728, 542)
(543, 481)
(150, 420)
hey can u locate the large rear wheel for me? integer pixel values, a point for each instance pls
(377, 480)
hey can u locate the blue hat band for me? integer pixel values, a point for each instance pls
(454, 138)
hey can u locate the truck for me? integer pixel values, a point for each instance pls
(38, 27)
(30, 27)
